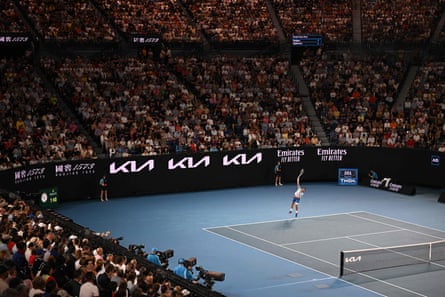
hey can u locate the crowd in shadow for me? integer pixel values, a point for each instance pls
(39, 258)
(136, 106)
(355, 95)
(230, 21)
(155, 105)
(34, 128)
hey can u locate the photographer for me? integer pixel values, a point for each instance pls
(373, 175)
(185, 270)
(138, 250)
(153, 257)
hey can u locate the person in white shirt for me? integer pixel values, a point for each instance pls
(88, 288)
(297, 195)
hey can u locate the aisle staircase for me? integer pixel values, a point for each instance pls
(308, 107)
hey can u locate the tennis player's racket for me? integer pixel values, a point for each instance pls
(301, 172)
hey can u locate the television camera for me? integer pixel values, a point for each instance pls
(190, 262)
(138, 249)
(209, 277)
(164, 256)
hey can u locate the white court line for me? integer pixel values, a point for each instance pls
(398, 220)
(390, 225)
(375, 279)
(390, 248)
(291, 284)
(269, 253)
(342, 237)
(310, 268)
(284, 247)
(354, 214)
(397, 227)
(287, 260)
(391, 284)
(281, 220)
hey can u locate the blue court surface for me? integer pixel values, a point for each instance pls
(248, 234)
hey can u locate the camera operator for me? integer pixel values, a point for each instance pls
(138, 250)
(184, 269)
(153, 257)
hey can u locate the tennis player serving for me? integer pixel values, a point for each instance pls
(297, 195)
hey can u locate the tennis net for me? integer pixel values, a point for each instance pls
(356, 261)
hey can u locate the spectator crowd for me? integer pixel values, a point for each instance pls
(34, 128)
(38, 258)
(160, 18)
(354, 96)
(225, 21)
(178, 102)
(149, 105)
(64, 20)
(411, 21)
(138, 106)
(10, 20)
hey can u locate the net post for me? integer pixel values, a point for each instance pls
(430, 252)
(342, 261)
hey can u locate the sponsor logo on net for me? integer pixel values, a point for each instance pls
(353, 259)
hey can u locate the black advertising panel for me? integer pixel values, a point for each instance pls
(133, 176)
(8, 39)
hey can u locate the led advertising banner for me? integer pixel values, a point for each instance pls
(145, 175)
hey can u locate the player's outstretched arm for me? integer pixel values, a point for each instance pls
(299, 175)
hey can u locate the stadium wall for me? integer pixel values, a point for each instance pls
(133, 176)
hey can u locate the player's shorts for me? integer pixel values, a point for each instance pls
(296, 200)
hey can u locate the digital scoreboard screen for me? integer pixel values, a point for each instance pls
(49, 198)
(307, 40)
(348, 176)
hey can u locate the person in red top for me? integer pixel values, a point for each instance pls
(10, 243)
(410, 142)
(32, 257)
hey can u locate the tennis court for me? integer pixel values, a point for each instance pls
(317, 242)
(247, 234)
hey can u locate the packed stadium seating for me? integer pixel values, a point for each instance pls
(98, 78)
